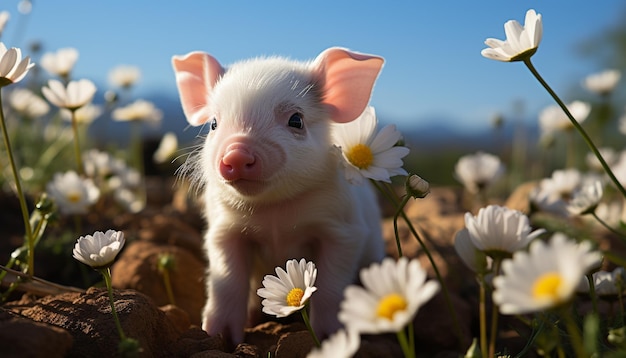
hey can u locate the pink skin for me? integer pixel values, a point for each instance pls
(239, 162)
(274, 190)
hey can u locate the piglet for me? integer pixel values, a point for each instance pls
(273, 182)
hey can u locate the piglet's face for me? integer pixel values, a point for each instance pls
(269, 118)
(269, 130)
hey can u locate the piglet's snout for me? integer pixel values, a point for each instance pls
(240, 162)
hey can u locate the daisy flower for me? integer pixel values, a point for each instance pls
(553, 193)
(521, 41)
(4, 18)
(392, 294)
(622, 124)
(473, 258)
(603, 82)
(477, 171)
(611, 212)
(130, 200)
(609, 155)
(607, 284)
(553, 118)
(60, 63)
(342, 344)
(288, 291)
(140, 110)
(368, 154)
(498, 229)
(12, 67)
(167, 148)
(84, 115)
(101, 165)
(27, 103)
(72, 97)
(586, 199)
(544, 277)
(99, 250)
(124, 76)
(73, 194)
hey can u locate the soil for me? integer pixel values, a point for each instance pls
(76, 320)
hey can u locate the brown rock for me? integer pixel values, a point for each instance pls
(137, 268)
(177, 316)
(197, 343)
(294, 345)
(171, 229)
(520, 198)
(435, 316)
(22, 337)
(88, 318)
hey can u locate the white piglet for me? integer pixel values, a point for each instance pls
(273, 181)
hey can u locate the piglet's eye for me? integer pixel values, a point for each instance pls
(213, 124)
(296, 121)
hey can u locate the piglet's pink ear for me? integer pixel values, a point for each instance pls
(348, 81)
(196, 74)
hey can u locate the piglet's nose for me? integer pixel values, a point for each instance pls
(239, 163)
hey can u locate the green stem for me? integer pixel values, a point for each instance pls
(79, 161)
(20, 195)
(168, 285)
(592, 293)
(395, 223)
(577, 125)
(494, 312)
(482, 313)
(307, 322)
(404, 344)
(106, 273)
(603, 223)
(574, 334)
(621, 307)
(411, 334)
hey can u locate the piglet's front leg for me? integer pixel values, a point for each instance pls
(228, 286)
(337, 263)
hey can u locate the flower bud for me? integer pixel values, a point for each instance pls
(417, 187)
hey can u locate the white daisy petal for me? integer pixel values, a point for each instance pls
(367, 154)
(545, 277)
(294, 283)
(392, 294)
(99, 250)
(521, 41)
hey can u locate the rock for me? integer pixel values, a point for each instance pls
(174, 229)
(177, 316)
(520, 198)
(294, 345)
(21, 337)
(435, 316)
(88, 318)
(137, 268)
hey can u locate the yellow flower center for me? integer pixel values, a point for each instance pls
(73, 197)
(547, 286)
(389, 305)
(294, 297)
(360, 156)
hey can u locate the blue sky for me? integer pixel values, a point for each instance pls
(432, 49)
